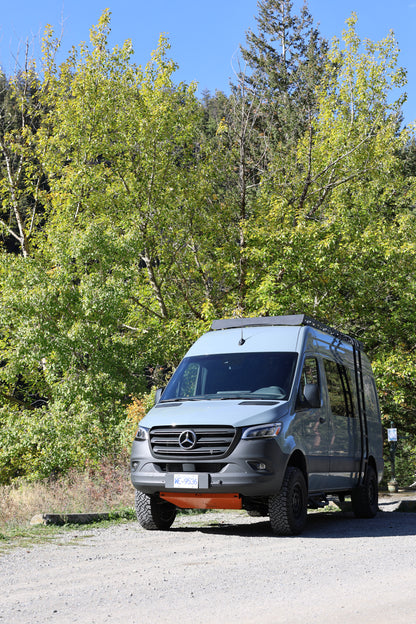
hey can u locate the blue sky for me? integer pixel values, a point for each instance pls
(205, 36)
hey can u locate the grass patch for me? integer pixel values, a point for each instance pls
(28, 537)
(104, 488)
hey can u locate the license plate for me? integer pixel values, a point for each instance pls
(185, 481)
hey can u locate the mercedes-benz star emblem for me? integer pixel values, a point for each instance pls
(187, 439)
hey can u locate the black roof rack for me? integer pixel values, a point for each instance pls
(291, 320)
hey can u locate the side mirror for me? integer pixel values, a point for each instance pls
(158, 395)
(312, 396)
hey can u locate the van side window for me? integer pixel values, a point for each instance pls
(371, 402)
(339, 388)
(309, 382)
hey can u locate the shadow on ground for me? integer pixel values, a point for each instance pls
(322, 524)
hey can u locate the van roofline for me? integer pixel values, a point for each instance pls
(291, 320)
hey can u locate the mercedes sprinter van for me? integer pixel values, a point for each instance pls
(268, 414)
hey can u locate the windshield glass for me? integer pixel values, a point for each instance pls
(233, 376)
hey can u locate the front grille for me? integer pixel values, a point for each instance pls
(197, 442)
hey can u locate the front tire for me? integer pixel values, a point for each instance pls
(288, 508)
(364, 498)
(153, 513)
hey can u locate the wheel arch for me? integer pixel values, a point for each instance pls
(298, 460)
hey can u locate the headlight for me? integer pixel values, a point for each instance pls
(142, 434)
(262, 431)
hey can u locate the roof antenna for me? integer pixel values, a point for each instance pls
(241, 341)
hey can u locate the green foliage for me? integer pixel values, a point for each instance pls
(21, 175)
(142, 214)
(122, 277)
(334, 234)
(48, 441)
(405, 463)
(284, 63)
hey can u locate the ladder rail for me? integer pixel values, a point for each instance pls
(362, 413)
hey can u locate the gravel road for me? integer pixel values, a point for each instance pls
(218, 567)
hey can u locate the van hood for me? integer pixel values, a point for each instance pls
(232, 412)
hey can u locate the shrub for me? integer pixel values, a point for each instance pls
(99, 488)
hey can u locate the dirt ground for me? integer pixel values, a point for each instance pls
(219, 567)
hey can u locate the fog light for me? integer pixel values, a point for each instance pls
(134, 465)
(258, 465)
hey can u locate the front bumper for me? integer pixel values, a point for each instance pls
(254, 468)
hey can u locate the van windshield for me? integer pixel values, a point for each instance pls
(265, 375)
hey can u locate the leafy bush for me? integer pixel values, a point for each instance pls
(46, 442)
(405, 463)
(136, 410)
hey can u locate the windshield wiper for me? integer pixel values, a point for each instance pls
(227, 397)
(236, 397)
(261, 398)
(178, 400)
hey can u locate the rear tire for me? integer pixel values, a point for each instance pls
(364, 498)
(153, 513)
(288, 508)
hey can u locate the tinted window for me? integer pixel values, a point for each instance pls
(234, 375)
(371, 402)
(309, 377)
(339, 388)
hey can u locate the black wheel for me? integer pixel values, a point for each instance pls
(364, 498)
(288, 508)
(153, 513)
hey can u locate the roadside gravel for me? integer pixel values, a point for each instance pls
(218, 567)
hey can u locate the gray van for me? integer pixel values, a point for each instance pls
(268, 414)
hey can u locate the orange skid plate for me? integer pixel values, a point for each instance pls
(202, 501)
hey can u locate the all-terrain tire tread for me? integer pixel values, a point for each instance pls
(279, 511)
(143, 511)
(152, 514)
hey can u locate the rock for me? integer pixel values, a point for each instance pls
(38, 519)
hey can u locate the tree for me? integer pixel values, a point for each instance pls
(21, 176)
(285, 60)
(271, 99)
(335, 234)
(136, 159)
(145, 214)
(131, 261)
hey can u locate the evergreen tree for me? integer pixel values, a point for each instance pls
(271, 104)
(285, 60)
